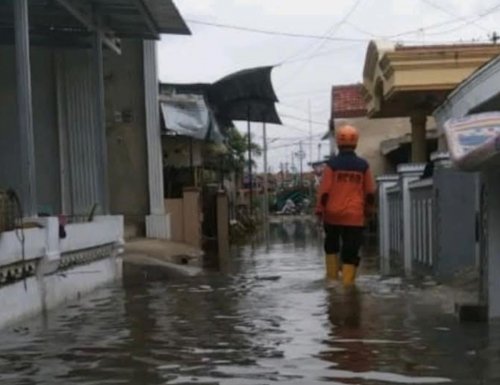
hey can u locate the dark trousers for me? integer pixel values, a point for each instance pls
(344, 240)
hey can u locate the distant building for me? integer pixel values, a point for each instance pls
(385, 143)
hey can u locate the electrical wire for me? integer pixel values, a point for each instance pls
(332, 31)
(273, 32)
(293, 138)
(464, 20)
(291, 144)
(450, 13)
(475, 18)
(310, 92)
(303, 119)
(336, 39)
(334, 28)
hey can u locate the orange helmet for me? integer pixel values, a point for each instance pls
(347, 136)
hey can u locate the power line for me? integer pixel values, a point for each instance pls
(310, 92)
(292, 138)
(409, 32)
(294, 144)
(332, 31)
(322, 53)
(328, 33)
(298, 35)
(302, 119)
(465, 21)
(294, 128)
(272, 32)
(361, 30)
(450, 13)
(303, 111)
(475, 18)
(293, 107)
(337, 39)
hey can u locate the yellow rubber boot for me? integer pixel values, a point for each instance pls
(349, 274)
(332, 266)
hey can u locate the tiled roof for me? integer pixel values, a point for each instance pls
(348, 101)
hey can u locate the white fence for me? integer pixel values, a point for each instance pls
(422, 221)
(395, 221)
(404, 210)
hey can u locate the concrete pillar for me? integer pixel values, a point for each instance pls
(441, 160)
(223, 227)
(408, 173)
(384, 182)
(158, 222)
(491, 179)
(175, 208)
(25, 109)
(192, 217)
(418, 121)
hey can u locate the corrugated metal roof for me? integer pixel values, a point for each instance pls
(144, 19)
(167, 17)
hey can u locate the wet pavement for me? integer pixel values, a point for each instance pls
(268, 319)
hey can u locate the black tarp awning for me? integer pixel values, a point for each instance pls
(244, 95)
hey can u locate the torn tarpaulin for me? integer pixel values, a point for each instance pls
(189, 115)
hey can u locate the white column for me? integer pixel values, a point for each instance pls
(158, 222)
(24, 108)
(492, 184)
(408, 173)
(384, 182)
(100, 123)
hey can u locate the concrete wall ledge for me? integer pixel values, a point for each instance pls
(421, 183)
(36, 294)
(59, 269)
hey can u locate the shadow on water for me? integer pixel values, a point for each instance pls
(268, 318)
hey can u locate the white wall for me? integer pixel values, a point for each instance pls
(51, 286)
(36, 294)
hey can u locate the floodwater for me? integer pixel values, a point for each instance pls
(269, 319)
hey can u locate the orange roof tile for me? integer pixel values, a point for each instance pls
(348, 101)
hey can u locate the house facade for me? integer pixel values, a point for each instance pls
(63, 230)
(348, 106)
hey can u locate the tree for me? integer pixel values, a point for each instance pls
(237, 146)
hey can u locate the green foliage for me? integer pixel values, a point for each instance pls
(237, 145)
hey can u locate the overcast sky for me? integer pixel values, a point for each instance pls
(309, 67)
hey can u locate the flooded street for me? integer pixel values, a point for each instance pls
(269, 319)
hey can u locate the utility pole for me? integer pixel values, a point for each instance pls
(301, 157)
(266, 187)
(494, 37)
(310, 135)
(250, 179)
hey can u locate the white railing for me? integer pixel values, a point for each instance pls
(427, 224)
(401, 223)
(422, 221)
(394, 205)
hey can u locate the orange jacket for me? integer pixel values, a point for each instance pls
(346, 195)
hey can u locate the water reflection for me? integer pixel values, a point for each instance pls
(346, 340)
(268, 319)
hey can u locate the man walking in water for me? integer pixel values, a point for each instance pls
(346, 198)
